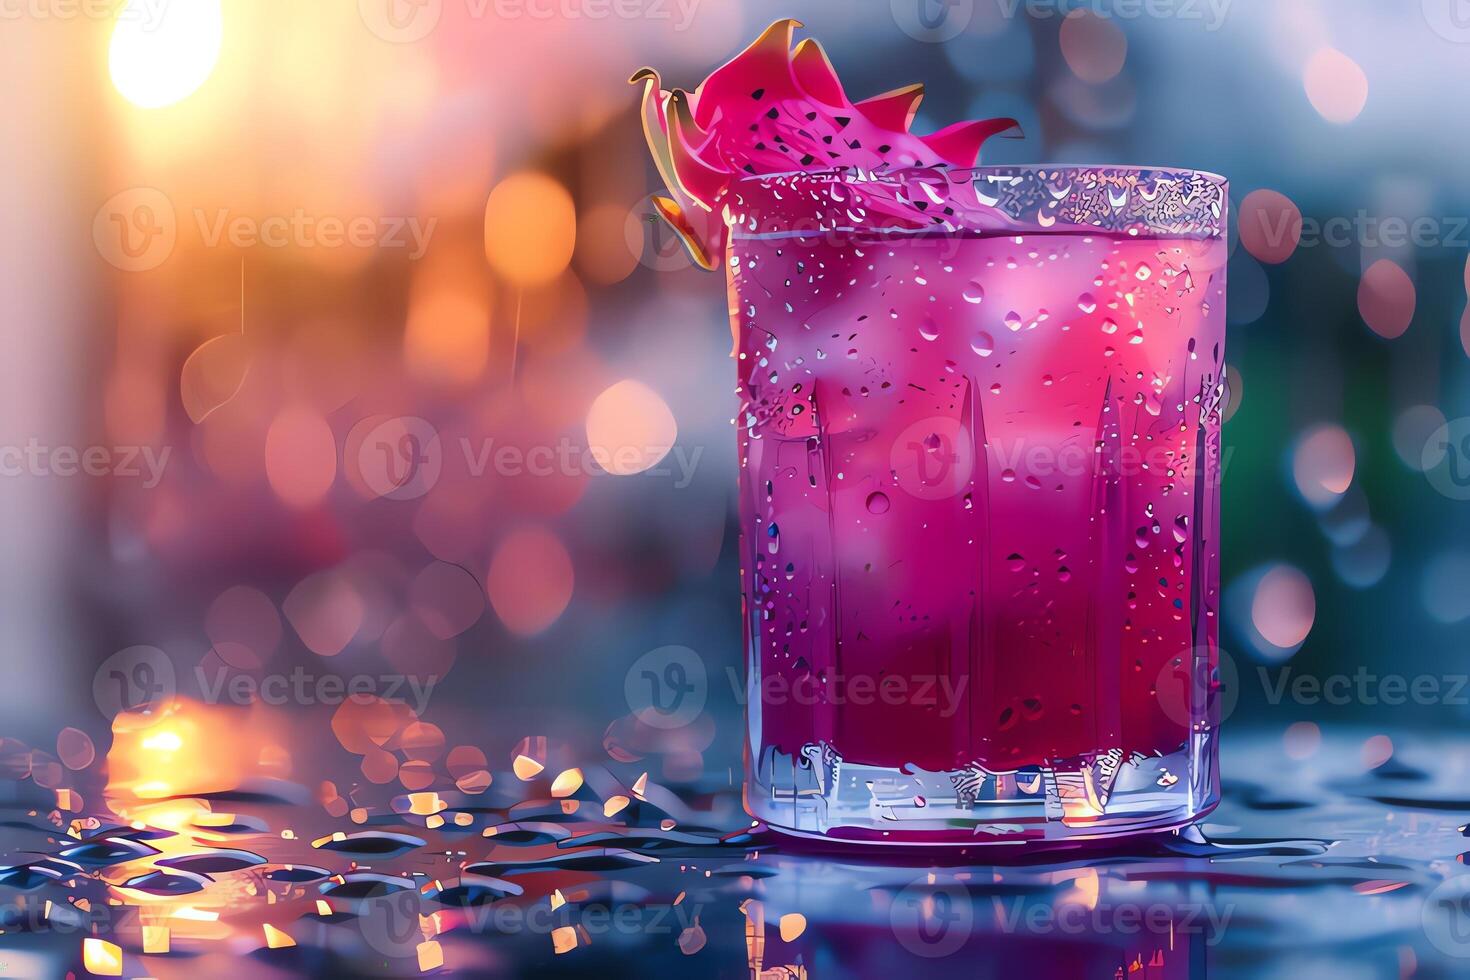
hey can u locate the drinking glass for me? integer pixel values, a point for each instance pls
(979, 499)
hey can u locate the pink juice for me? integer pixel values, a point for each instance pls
(979, 448)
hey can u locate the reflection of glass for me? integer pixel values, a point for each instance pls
(979, 493)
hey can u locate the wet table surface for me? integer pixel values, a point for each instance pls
(1339, 864)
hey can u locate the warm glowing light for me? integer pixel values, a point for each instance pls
(162, 53)
(530, 580)
(155, 940)
(1386, 298)
(102, 957)
(1336, 86)
(431, 955)
(564, 939)
(526, 768)
(448, 334)
(630, 428)
(164, 741)
(530, 228)
(1284, 607)
(615, 805)
(275, 938)
(1323, 465)
(567, 783)
(793, 924)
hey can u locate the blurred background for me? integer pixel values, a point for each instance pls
(340, 343)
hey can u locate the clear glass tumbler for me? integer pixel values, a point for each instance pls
(980, 456)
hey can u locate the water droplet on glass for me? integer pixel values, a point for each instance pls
(973, 292)
(983, 344)
(878, 502)
(1086, 303)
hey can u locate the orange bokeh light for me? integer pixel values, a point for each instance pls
(530, 228)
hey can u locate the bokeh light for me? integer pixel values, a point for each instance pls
(1336, 85)
(300, 456)
(530, 228)
(630, 428)
(1386, 298)
(1284, 607)
(530, 580)
(161, 54)
(1270, 225)
(1323, 464)
(1093, 45)
(1301, 740)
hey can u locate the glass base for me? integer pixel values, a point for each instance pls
(817, 794)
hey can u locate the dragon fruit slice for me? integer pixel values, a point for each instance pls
(776, 110)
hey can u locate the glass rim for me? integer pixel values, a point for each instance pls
(1077, 198)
